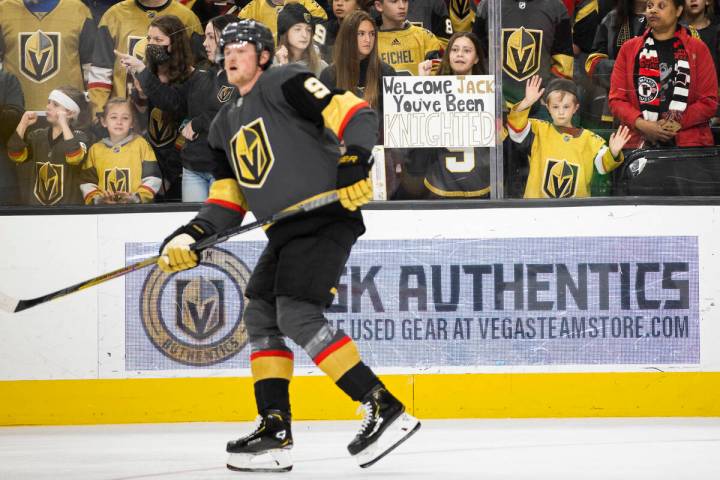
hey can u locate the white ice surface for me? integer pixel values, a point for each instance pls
(577, 449)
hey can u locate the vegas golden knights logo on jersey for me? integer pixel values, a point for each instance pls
(117, 180)
(251, 153)
(459, 9)
(225, 93)
(161, 128)
(560, 179)
(199, 306)
(521, 56)
(49, 183)
(39, 54)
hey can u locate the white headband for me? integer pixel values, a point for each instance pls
(62, 99)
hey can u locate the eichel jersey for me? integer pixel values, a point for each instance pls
(405, 47)
(266, 12)
(45, 51)
(536, 39)
(562, 161)
(431, 15)
(461, 14)
(49, 169)
(278, 145)
(120, 28)
(128, 166)
(459, 172)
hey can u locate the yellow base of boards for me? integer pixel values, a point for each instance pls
(537, 395)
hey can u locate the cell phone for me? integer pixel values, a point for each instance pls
(41, 113)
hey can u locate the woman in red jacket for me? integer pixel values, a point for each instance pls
(664, 84)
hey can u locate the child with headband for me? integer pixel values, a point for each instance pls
(50, 157)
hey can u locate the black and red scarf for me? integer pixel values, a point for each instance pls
(648, 78)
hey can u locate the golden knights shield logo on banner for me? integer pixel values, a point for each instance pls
(49, 182)
(39, 54)
(188, 316)
(521, 52)
(251, 153)
(117, 180)
(560, 179)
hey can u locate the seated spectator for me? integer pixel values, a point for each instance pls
(295, 31)
(457, 172)
(120, 168)
(121, 28)
(50, 158)
(186, 93)
(45, 45)
(267, 11)
(664, 85)
(401, 44)
(12, 106)
(562, 159)
(700, 15)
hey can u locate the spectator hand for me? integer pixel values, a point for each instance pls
(425, 67)
(29, 118)
(618, 140)
(188, 132)
(62, 116)
(653, 131)
(354, 186)
(131, 62)
(281, 56)
(533, 93)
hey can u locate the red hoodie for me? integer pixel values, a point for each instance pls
(702, 99)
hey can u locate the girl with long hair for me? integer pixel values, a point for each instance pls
(295, 32)
(56, 152)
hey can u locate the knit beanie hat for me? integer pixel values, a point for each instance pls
(561, 84)
(292, 14)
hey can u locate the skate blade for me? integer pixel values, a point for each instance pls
(278, 460)
(398, 431)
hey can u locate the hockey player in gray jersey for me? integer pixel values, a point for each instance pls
(276, 146)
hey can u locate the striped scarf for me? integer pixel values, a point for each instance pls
(648, 79)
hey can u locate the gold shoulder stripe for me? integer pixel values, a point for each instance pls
(340, 110)
(226, 192)
(591, 7)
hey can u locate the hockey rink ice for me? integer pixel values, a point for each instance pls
(557, 449)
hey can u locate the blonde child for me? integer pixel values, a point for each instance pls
(122, 167)
(562, 159)
(50, 157)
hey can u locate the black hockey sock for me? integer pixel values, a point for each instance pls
(358, 381)
(272, 394)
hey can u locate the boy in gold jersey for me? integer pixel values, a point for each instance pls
(562, 159)
(267, 11)
(401, 44)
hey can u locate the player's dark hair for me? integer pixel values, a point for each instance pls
(83, 119)
(477, 69)
(179, 67)
(346, 58)
(134, 114)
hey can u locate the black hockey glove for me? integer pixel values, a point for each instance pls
(175, 250)
(354, 186)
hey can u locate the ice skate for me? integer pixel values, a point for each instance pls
(385, 426)
(267, 449)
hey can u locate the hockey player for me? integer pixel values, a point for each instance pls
(121, 28)
(401, 44)
(46, 44)
(275, 147)
(562, 159)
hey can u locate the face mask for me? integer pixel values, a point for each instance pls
(157, 54)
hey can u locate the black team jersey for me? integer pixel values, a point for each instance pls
(431, 15)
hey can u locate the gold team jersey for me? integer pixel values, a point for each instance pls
(129, 166)
(462, 14)
(266, 12)
(405, 47)
(45, 51)
(121, 28)
(562, 161)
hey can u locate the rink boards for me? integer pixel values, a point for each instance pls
(492, 312)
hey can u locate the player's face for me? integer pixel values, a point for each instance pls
(463, 56)
(562, 107)
(662, 15)
(155, 36)
(241, 63)
(393, 10)
(299, 36)
(210, 42)
(341, 8)
(366, 38)
(118, 121)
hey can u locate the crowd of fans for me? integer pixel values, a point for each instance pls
(105, 101)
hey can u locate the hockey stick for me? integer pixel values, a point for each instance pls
(12, 305)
